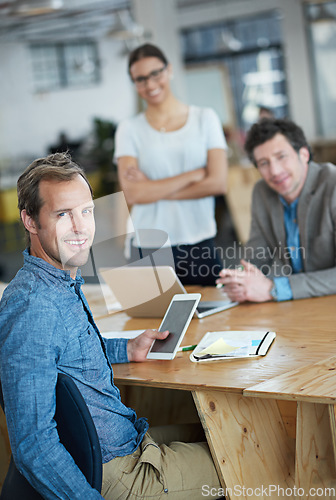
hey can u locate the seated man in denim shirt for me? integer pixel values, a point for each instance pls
(46, 327)
(293, 231)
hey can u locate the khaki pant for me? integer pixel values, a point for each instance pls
(169, 464)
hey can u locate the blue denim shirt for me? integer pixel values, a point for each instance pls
(46, 327)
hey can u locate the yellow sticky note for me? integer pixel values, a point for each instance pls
(218, 347)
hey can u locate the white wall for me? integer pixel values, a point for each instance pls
(30, 122)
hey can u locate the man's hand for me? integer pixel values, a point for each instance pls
(248, 284)
(137, 349)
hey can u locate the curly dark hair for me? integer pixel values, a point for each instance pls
(146, 50)
(267, 128)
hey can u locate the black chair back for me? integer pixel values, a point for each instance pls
(77, 433)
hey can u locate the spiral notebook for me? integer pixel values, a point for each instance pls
(232, 345)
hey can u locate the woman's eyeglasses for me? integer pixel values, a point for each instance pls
(141, 81)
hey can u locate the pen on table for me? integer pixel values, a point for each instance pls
(187, 348)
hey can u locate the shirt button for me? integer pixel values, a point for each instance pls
(293, 248)
(166, 490)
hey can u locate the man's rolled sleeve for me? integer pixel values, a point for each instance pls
(116, 350)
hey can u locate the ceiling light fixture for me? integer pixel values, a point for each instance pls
(36, 7)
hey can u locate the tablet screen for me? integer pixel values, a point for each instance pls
(175, 321)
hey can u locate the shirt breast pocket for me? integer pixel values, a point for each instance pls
(91, 352)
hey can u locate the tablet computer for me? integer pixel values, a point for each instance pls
(176, 320)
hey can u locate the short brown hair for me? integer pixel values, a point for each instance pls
(58, 167)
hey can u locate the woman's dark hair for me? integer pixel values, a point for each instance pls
(267, 128)
(146, 50)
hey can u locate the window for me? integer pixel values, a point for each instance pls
(61, 65)
(322, 31)
(251, 51)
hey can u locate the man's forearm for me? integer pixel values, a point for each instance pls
(313, 284)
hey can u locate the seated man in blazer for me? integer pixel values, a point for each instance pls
(291, 250)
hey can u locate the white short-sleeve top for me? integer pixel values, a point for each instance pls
(166, 154)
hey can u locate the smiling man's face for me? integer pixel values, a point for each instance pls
(64, 231)
(282, 168)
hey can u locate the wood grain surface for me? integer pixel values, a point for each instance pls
(315, 458)
(305, 335)
(313, 382)
(248, 441)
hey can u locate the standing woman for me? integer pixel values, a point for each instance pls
(171, 164)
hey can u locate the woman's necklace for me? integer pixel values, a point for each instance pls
(169, 123)
(159, 124)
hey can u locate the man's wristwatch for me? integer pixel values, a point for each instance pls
(273, 292)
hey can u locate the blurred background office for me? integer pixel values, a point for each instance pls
(64, 85)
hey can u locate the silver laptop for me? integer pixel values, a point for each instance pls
(146, 292)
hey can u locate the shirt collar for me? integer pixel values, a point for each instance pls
(49, 268)
(289, 205)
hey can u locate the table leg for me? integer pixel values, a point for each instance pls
(332, 416)
(249, 444)
(315, 450)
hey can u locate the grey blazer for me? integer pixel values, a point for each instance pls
(316, 213)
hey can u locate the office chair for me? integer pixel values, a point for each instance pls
(77, 433)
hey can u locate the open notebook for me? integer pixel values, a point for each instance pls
(232, 344)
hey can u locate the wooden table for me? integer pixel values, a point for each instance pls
(268, 421)
(314, 389)
(252, 432)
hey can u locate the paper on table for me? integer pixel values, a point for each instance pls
(126, 334)
(218, 347)
(233, 344)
